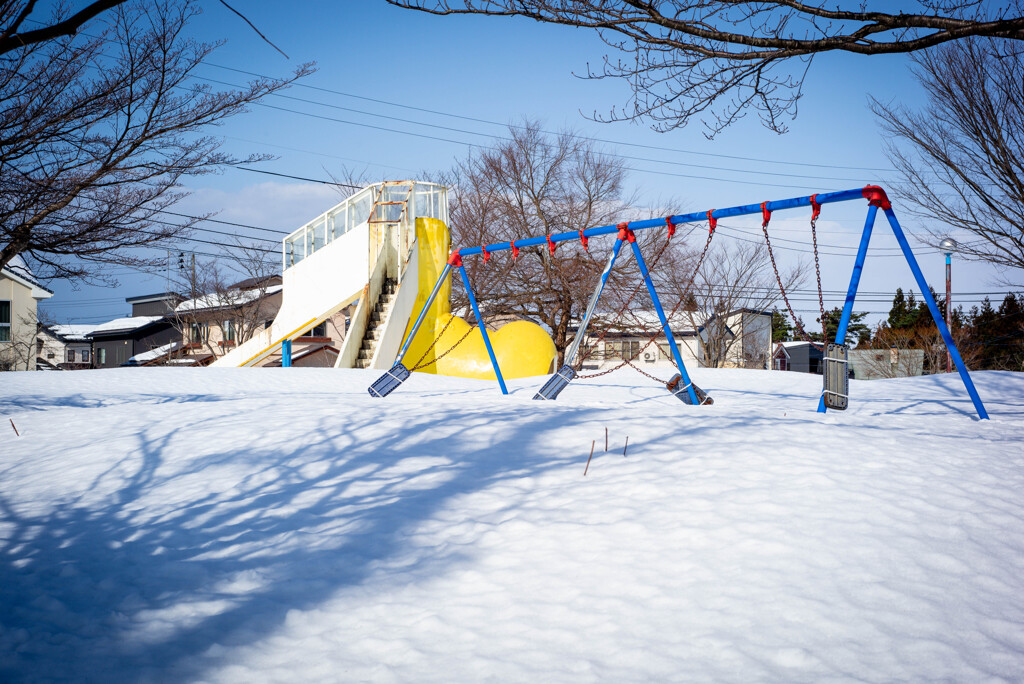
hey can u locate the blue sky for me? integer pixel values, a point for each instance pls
(504, 70)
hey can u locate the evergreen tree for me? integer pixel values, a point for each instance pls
(782, 329)
(855, 330)
(904, 312)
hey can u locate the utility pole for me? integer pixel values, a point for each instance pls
(948, 246)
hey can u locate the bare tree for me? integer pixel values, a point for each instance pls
(717, 58)
(964, 160)
(734, 276)
(535, 184)
(97, 133)
(14, 16)
(224, 302)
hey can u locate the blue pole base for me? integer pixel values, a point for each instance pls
(679, 391)
(387, 383)
(556, 383)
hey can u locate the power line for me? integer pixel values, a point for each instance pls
(593, 139)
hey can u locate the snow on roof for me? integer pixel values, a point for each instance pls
(645, 321)
(154, 354)
(72, 333)
(220, 300)
(795, 343)
(124, 324)
(18, 268)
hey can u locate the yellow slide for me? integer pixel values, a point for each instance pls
(523, 349)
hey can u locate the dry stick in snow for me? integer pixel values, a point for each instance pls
(592, 443)
(625, 447)
(606, 438)
(15, 429)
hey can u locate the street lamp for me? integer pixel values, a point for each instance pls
(948, 246)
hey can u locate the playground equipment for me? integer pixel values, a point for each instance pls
(379, 252)
(835, 392)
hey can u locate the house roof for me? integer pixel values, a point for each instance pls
(119, 325)
(71, 333)
(250, 283)
(158, 297)
(643, 322)
(17, 269)
(155, 354)
(225, 300)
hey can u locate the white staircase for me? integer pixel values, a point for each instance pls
(375, 328)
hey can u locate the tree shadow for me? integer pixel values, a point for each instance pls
(162, 557)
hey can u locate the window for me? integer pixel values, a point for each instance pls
(318, 330)
(121, 355)
(51, 355)
(5, 320)
(199, 332)
(71, 355)
(85, 356)
(101, 354)
(229, 331)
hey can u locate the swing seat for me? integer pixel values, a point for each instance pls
(556, 383)
(678, 389)
(386, 384)
(835, 377)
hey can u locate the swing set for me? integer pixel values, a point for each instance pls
(835, 376)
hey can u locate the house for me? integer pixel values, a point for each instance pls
(741, 338)
(873, 364)
(630, 338)
(20, 294)
(117, 341)
(802, 357)
(64, 347)
(215, 323)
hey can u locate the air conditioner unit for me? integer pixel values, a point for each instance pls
(649, 357)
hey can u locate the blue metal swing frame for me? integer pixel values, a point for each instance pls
(875, 195)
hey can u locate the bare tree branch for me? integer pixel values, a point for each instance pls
(715, 59)
(98, 132)
(962, 156)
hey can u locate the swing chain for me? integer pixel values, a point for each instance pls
(817, 265)
(437, 338)
(654, 337)
(778, 279)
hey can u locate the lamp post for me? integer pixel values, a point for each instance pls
(948, 246)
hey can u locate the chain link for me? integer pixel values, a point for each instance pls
(654, 337)
(817, 274)
(778, 278)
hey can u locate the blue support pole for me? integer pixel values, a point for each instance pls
(558, 382)
(936, 314)
(286, 353)
(483, 328)
(423, 313)
(851, 292)
(592, 304)
(664, 323)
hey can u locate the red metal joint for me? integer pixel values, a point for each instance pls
(816, 207)
(765, 214)
(551, 245)
(455, 259)
(712, 222)
(671, 227)
(515, 251)
(876, 197)
(487, 255)
(585, 241)
(625, 233)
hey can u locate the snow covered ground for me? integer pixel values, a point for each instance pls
(279, 525)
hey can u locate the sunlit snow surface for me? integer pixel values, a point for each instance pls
(279, 525)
